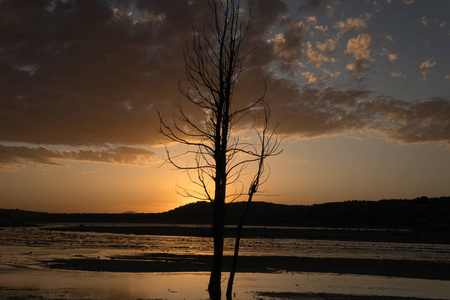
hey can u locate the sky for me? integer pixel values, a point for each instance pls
(360, 90)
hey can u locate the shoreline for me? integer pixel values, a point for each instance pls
(163, 262)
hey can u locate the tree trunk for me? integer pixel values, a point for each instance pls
(236, 249)
(215, 279)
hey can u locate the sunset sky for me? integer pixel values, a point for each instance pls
(361, 90)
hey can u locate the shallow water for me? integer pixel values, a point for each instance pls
(23, 251)
(105, 285)
(37, 237)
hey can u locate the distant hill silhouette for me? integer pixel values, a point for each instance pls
(419, 213)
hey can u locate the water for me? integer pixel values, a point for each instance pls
(23, 251)
(36, 237)
(105, 285)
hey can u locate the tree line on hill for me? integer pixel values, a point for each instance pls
(419, 213)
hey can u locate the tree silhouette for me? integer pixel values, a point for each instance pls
(268, 146)
(216, 157)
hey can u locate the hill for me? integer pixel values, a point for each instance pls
(419, 213)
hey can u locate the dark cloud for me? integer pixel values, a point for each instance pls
(84, 74)
(91, 73)
(287, 47)
(22, 155)
(310, 112)
(88, 73)
(18, 154)
(409, 121)
(329, 112)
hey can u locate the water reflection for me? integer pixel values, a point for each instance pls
(104, 285)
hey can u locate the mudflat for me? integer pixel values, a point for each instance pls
(163, 262)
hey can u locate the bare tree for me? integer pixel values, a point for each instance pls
(215, 156)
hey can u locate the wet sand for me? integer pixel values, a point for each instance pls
(161, 262)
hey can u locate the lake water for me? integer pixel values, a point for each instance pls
(23, 250)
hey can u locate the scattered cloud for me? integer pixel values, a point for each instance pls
(447, 77)
(321, 52)
(357, 23)
(360, 46)
(311, 78)
(320, 76)
(357, 66)
(331, 74)
(395, 74)
(408, 1)
(392, 56)
(311, 20)
(423, 21)
(426, 66)
(321, 28)
(433, 22)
